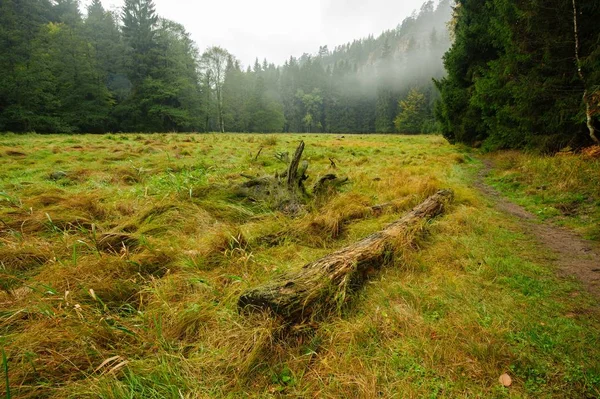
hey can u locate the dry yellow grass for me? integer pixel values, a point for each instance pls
(563, 189)
(154, 314)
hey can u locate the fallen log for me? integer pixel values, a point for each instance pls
(323, 285)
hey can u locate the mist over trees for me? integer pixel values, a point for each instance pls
(134, 71)
(523, 74)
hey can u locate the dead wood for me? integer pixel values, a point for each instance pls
(325, 284)
(328, 182)
(258, 154)
(294, 179)
(286, 191)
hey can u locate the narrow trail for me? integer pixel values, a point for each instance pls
(575, 256)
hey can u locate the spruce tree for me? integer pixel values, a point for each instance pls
(139, 31)
(386, 102)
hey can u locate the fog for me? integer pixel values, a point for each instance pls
(275, 29)
(417, 47)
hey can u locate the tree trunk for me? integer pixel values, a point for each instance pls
(323, 285)
(220, 109)
(589, 118)
(586, 98)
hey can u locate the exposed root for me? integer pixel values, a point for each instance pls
(286, 192)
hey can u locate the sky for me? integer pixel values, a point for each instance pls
(276, 29)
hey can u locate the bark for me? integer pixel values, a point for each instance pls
(326, 182)
(589, 118)
(325, 284)
(293, 177)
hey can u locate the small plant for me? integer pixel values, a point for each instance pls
(285, 378)
(51, 225)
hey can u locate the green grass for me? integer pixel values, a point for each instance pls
(478, 299)
(6, 376)
(562, 189)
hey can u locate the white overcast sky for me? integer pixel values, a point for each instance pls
(276, 29)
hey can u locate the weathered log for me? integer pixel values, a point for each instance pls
(324, 285)
(294, 179)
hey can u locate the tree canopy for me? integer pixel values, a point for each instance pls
(513, 77)
(133, 71)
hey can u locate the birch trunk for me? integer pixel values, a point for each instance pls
(586, 97)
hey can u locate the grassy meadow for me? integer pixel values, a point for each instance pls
(563, 189)
(122, 258)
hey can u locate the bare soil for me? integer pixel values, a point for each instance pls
(575, 256)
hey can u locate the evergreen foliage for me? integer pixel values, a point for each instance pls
(512, 74)
(411, 117)
(134, 71)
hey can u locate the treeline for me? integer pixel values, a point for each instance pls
(134, 71)
(523, 74)
(62, 73)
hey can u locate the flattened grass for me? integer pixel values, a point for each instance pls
(158, 319)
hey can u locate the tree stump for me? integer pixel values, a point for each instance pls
(286, 191)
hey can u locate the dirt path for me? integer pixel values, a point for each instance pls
(576, 257)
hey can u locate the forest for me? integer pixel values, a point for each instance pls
(523, 74)
(134, 71)
(497, 73)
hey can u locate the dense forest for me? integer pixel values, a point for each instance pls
(523, 74)
(62, 71)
